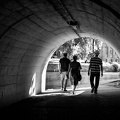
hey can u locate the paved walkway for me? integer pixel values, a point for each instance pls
(63, 105)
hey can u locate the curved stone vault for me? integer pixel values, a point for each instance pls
(31, 30)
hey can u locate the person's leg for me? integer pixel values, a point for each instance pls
(65, 81)
(75, 84)
(97, 82)
(62, 81)
(62, 84)
(74, 87)
(92, 82)
(72, 84)
(65, 85)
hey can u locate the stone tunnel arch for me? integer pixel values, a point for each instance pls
(30, 30)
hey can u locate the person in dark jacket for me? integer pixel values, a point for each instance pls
(63, 68)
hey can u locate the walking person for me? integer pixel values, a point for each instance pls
(75, 75)
(95, 69)
(63, 68)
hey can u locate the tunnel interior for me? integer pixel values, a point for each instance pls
(31, 30)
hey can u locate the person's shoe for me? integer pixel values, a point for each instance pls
(92, 90)
(73, 92)
(61, 88)
(65, 90)
(95, 92)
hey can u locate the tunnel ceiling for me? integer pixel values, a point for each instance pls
(30, 30)
(36, 27)
(48, 20)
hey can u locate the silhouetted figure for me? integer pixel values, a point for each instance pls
(74, 73)
(95, 68)
(63, 68)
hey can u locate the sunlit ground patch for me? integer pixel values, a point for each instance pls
(54, 92)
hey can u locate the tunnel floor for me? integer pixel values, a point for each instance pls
(61, 105)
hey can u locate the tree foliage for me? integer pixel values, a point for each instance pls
(80, 45)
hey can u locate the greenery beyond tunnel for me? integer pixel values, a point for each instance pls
(84, 48)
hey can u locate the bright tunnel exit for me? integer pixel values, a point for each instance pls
(51, 76)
